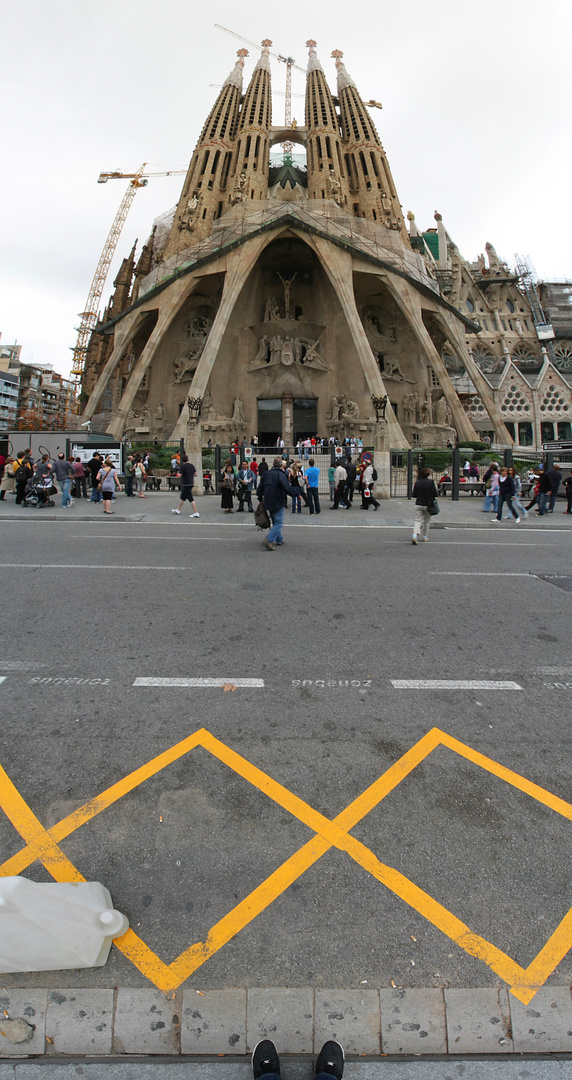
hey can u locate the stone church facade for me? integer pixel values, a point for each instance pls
(287, 301)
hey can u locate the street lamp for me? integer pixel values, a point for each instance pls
(194, 406)
(380, 405)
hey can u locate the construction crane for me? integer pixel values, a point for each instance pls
(290, 63)
(90, 315)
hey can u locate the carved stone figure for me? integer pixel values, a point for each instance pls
(239, 193)
(275, 349)
(188, 217)
(287, 282)
(263, 354)
(351, 411)
(335, 188)
(185, 367)
(429, 405)
(378, 329)
(392, 369)
(272, 310)
(441, 411)
(519, 328)
(160, 411)
(288, 356)
(424, 416)
(409, 403)
(338, 407)
(238, 416)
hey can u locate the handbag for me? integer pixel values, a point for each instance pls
(261, 518)
(433, 508)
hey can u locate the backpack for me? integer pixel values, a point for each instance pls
(21, 473)
(374, 474)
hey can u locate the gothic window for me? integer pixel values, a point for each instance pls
(510, 306)
(374, 163)
(525, 434)
(515, 401)
(374, 215)
(563, 357)
(205, 159)
(503, 324)
(340, 159)
(485, 359)
(553, 401)
(470, 305)
(328, 146)
(525, 356)
(363, 164)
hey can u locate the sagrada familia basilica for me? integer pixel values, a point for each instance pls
(288, 299)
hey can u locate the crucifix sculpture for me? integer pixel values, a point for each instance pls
(286, 283)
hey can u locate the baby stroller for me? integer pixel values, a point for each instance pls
(38, 494)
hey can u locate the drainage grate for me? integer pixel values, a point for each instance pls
(560, 580)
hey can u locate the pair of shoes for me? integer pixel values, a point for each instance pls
(265, 1059)
(279, 543)
(175, 511)
(517, 521)
(109, 512)
(271, 547)
(424, 539)
(196, 514)
(414, 541)
(496, 521)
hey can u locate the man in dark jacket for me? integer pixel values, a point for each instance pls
(555, 477)
(94, 465)
(273, 490)
(545, 491)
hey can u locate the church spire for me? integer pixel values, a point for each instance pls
(371, 183)
(252, 151)
(327, 177)
(201, 199)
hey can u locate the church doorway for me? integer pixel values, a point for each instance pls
(305, 418)
(269, 421)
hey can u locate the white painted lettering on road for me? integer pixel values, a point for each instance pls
(558, 685)
(56, 680)
(323, 684)
(453, 684)
(200, 683)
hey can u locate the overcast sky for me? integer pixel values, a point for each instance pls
(475, 122)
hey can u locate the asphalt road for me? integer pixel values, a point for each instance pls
(327, 624)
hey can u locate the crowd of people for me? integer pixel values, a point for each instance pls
(34, 481)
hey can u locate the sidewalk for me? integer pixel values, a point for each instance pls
(392, 513)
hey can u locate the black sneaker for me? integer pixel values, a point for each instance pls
(265, 1059)
(330, 1060)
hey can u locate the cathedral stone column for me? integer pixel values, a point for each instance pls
(339, 268)
(238, 266)
(173, 300)
(409, 303)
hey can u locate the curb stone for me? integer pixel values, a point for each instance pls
(229, 1022)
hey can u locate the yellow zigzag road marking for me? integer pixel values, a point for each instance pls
(42, 845)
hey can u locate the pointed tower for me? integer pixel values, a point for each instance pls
(371, 183)
(203, 195)
(327, 175)
(144, 264)
(122, 286)
(252, 151)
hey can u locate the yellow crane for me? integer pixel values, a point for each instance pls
(90, 315)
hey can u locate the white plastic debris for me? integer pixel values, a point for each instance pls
(53, 926)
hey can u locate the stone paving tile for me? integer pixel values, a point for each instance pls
(413, 1022)
(29, 1005)
(478, 1021)
(352, 1017)
(546, 1024)
(282, 1014)
(214, 1023)
(79, 1021)
(146, 1022)
(7, 1071)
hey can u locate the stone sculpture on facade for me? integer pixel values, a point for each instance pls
(288, 350)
